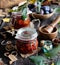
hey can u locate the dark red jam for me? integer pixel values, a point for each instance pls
(27, 47)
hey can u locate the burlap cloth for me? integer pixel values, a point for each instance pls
(9, 3)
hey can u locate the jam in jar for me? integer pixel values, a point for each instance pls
(26, 40)
(18, 22)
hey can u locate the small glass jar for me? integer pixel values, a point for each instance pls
(17, 20)
(26, 40)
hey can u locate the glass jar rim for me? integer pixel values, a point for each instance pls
(16, 13)
(26, 34)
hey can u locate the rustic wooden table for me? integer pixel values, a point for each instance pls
(53, 52)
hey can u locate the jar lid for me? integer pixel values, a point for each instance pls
(26, 34)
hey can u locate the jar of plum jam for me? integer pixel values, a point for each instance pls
(26, 40)
(18, 21)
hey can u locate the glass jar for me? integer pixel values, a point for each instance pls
(17, 20)
(26, 40)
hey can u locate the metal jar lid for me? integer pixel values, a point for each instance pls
(26, 34)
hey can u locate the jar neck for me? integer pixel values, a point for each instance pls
(29, 41)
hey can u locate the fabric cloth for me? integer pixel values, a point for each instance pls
(9, 3)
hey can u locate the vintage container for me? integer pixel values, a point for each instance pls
(26, 40)
(17, 20)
